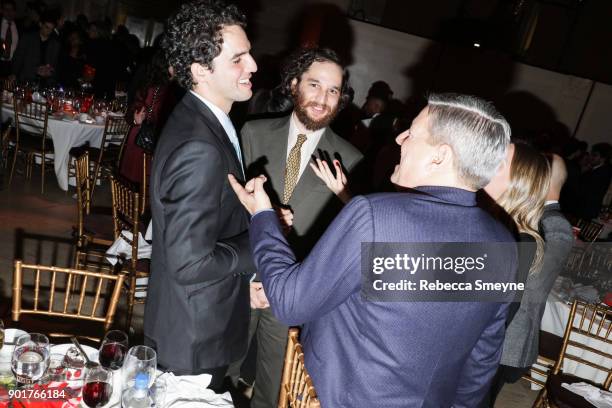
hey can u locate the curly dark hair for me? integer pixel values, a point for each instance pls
(301, 60)
(193, 35)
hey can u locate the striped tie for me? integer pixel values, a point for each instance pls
(292, 171)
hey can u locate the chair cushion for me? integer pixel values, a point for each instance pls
(562, 397)
(99, 226)
(143, 266)
(80, 150)
(550, 345)
(33, 143)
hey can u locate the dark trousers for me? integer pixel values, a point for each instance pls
(504, 375)
(271, 344)
(217, 373)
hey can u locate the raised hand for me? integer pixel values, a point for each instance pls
(252, 196)
(336, 184)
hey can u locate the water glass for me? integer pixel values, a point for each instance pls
(140, 359)
(30, 358)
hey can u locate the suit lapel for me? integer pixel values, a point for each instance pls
(217, 129)
(276, 145)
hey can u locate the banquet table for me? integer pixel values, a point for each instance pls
(180, 391)
(65, 134)
(554, 321)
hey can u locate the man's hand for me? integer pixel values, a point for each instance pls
(258, 296)
(336, 184)
(252, 196)
(285, 216)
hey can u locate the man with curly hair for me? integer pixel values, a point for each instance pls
(282, 148)
(197, 310)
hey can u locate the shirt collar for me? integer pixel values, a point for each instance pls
(549, 202)
(221, 116)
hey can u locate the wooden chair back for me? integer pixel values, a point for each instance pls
(297, 390)
(144, 186)
(113, 139)
(83, 191)
(126, 213)
(587, 321)
(589, 230)
(60, 301)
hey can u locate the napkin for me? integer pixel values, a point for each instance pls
(189, 391)
(595, 396)
(121, 247)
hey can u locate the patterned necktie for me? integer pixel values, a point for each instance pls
(292, 171)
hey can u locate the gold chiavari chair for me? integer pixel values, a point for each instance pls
(31, 120)
(297, 390)
(144, 186)
(126, 217)
(68, 295)
(7, 87)
(589, 230)
(110, 150)
(587, 341)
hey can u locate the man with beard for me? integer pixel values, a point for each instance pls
(281, 149)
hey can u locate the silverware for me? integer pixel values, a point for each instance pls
(88, 362)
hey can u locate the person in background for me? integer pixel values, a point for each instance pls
(316, 82)
(100, 55)
(30, 22)
(154, 94)
(594, 182)
(37, 55)
(520, 189)
(9, 36)
(71, 60)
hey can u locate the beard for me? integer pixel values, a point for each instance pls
(300, 109)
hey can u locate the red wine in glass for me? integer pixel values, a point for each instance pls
(112, 355)
(97, 393)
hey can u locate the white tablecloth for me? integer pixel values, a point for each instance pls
(66, 135)
(554, 320)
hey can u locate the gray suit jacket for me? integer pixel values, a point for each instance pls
(264, 145)
(522, 335)
(197, 310)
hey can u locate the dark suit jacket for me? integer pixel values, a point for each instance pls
(522, 335)
(197, 309)
(264, 145)
(27, 56)
(387, 354)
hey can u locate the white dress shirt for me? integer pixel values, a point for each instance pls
(15, 35)
(227, 124)
(309, 146)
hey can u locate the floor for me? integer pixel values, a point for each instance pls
(38, 229)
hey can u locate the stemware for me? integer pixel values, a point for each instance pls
(113, 349)
(139, 359)
(98, 387)
(30, 358)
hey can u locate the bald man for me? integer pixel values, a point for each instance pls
(522, 335)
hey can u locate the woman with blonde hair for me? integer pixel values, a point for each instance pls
(519, 189)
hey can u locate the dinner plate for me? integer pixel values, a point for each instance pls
(92, 353)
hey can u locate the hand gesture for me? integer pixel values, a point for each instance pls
(139, 116)
(285, 216)
(258, 296)
(336, 184)
(252, 196)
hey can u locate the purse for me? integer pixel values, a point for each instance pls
(147, 137)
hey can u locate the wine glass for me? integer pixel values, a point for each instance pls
(30, 358)
(113, 349)
(98, 387)
(140, 359)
